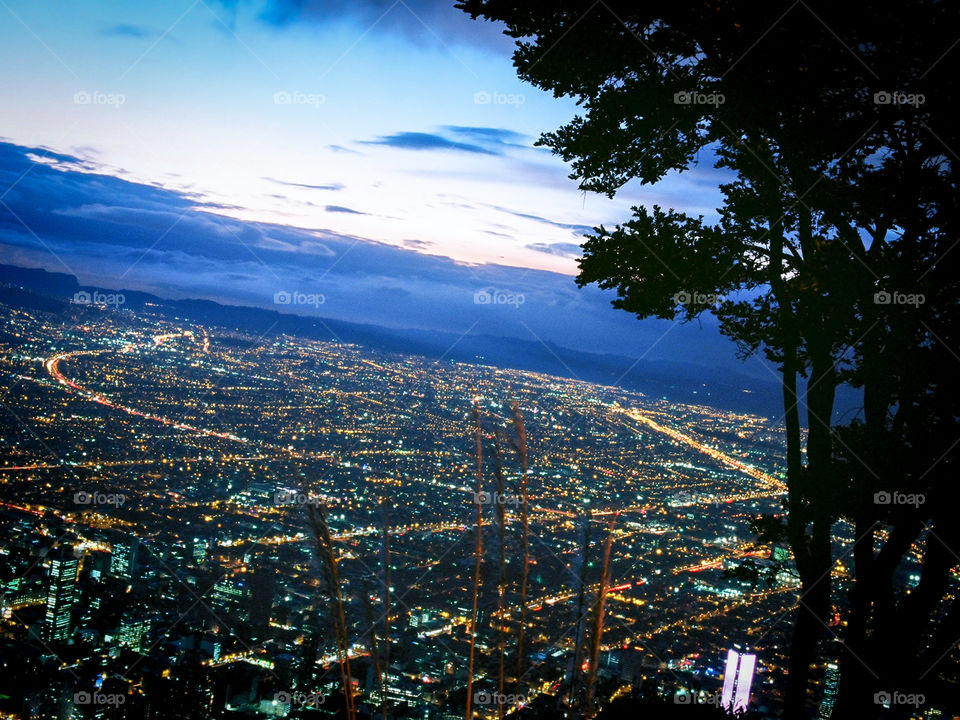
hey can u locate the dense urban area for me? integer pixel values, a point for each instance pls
(165, 486)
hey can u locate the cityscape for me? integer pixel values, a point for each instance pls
(164, 552)
(480, 360)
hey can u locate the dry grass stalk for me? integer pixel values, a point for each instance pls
(478, 548)
(374, 645)
(581, 614)
(502, 582)
(589, 710)
(386, 598)
(321, 531)
(525, 525)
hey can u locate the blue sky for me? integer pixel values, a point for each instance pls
(380, 154)
(410, 109)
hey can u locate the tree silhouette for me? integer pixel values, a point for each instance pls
(905, 365)
(833, 123)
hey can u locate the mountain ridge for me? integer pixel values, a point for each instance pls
(675, 380)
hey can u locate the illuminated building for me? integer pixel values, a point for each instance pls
(831, 679)
(133, 633)
(61, 595)
(123, 559)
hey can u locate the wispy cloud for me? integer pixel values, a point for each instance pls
(579, 229)
(332, 186)
(427, 141)
(489, 135)
(342, 209)
(561, 249)
(125, 30)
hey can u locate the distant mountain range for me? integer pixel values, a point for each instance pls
(676, 381)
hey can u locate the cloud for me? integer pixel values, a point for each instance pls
(577, 229)
(489, 135)
(124, 30)
(426, 141)
(418, 244)
(332, 186)
(342, 209)
(118, 234)
(561, 249)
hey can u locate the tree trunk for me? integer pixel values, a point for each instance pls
(812, 551)
(854, 685)
(806, 634)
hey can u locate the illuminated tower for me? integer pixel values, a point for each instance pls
(123, 559)
(199, 550)
(61, 595)
(737, 679)
(231, 595)
(830, 680)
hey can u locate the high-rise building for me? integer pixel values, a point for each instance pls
(133, 633)
(231, 596)
(199, 550)
(123, 559)
(831, 680)
(262, 585)
(9, 589)
(61, 594)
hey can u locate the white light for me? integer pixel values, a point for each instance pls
(744, 681)
(729, 678)
(737, 679)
